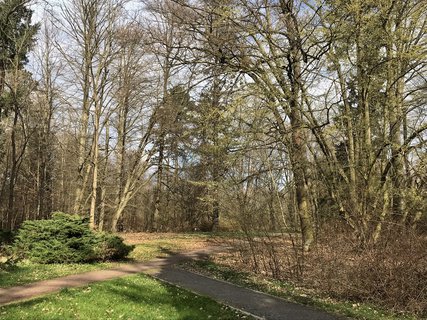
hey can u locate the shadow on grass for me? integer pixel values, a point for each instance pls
(183, 304)
(26, 273)
(136, 297)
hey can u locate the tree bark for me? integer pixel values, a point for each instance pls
(298, 148)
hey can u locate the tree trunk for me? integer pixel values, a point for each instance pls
(159, 185)
(13, 174)
(82, 176)
(103, 192)
(95, 164)
(298, 148)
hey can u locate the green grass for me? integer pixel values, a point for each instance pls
(27, 272)
(291, 293)
(133, 297)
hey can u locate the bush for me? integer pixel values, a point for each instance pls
(392, 274)
(111, 247)
(66, 239)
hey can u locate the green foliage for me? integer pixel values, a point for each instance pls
(17, 36)
(62, 239)
(66, 239)
(17, 33)
(110, 247)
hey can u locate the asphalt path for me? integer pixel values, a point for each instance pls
(257, 304)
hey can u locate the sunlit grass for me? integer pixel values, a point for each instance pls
(134, 297)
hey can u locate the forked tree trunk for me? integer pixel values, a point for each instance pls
(298, 148)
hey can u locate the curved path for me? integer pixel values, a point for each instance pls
(257, 304)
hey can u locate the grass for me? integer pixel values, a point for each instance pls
(128, 290)
(291, 293)
(150, 246)
(133, 297)
(155, 249)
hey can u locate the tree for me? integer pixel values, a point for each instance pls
(167, 41)
(375, 71)
(47, 71)
(16, 39)
(271, 52)
(90, 25)
(134, 118)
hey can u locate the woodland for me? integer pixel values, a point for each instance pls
(305, 119)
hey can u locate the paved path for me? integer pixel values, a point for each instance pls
(260, 305)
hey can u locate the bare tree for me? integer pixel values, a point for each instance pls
(134, 118)
(90, 25)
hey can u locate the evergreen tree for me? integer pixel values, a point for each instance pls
(17, 36)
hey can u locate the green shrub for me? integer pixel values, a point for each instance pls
(66, 239)
(111, 247)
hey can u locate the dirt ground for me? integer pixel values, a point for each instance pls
(184, 241)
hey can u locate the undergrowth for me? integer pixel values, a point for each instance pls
(292, 292)
(391, 275)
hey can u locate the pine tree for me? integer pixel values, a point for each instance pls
(17, 36)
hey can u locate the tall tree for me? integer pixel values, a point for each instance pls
(167, 41)
(376, 68)
(134, 117)
(90, 26)
(48, 69)
(16, 39)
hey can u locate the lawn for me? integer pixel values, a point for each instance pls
(133, 297)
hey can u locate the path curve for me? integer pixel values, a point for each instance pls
(35, 289)
(257, 304)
